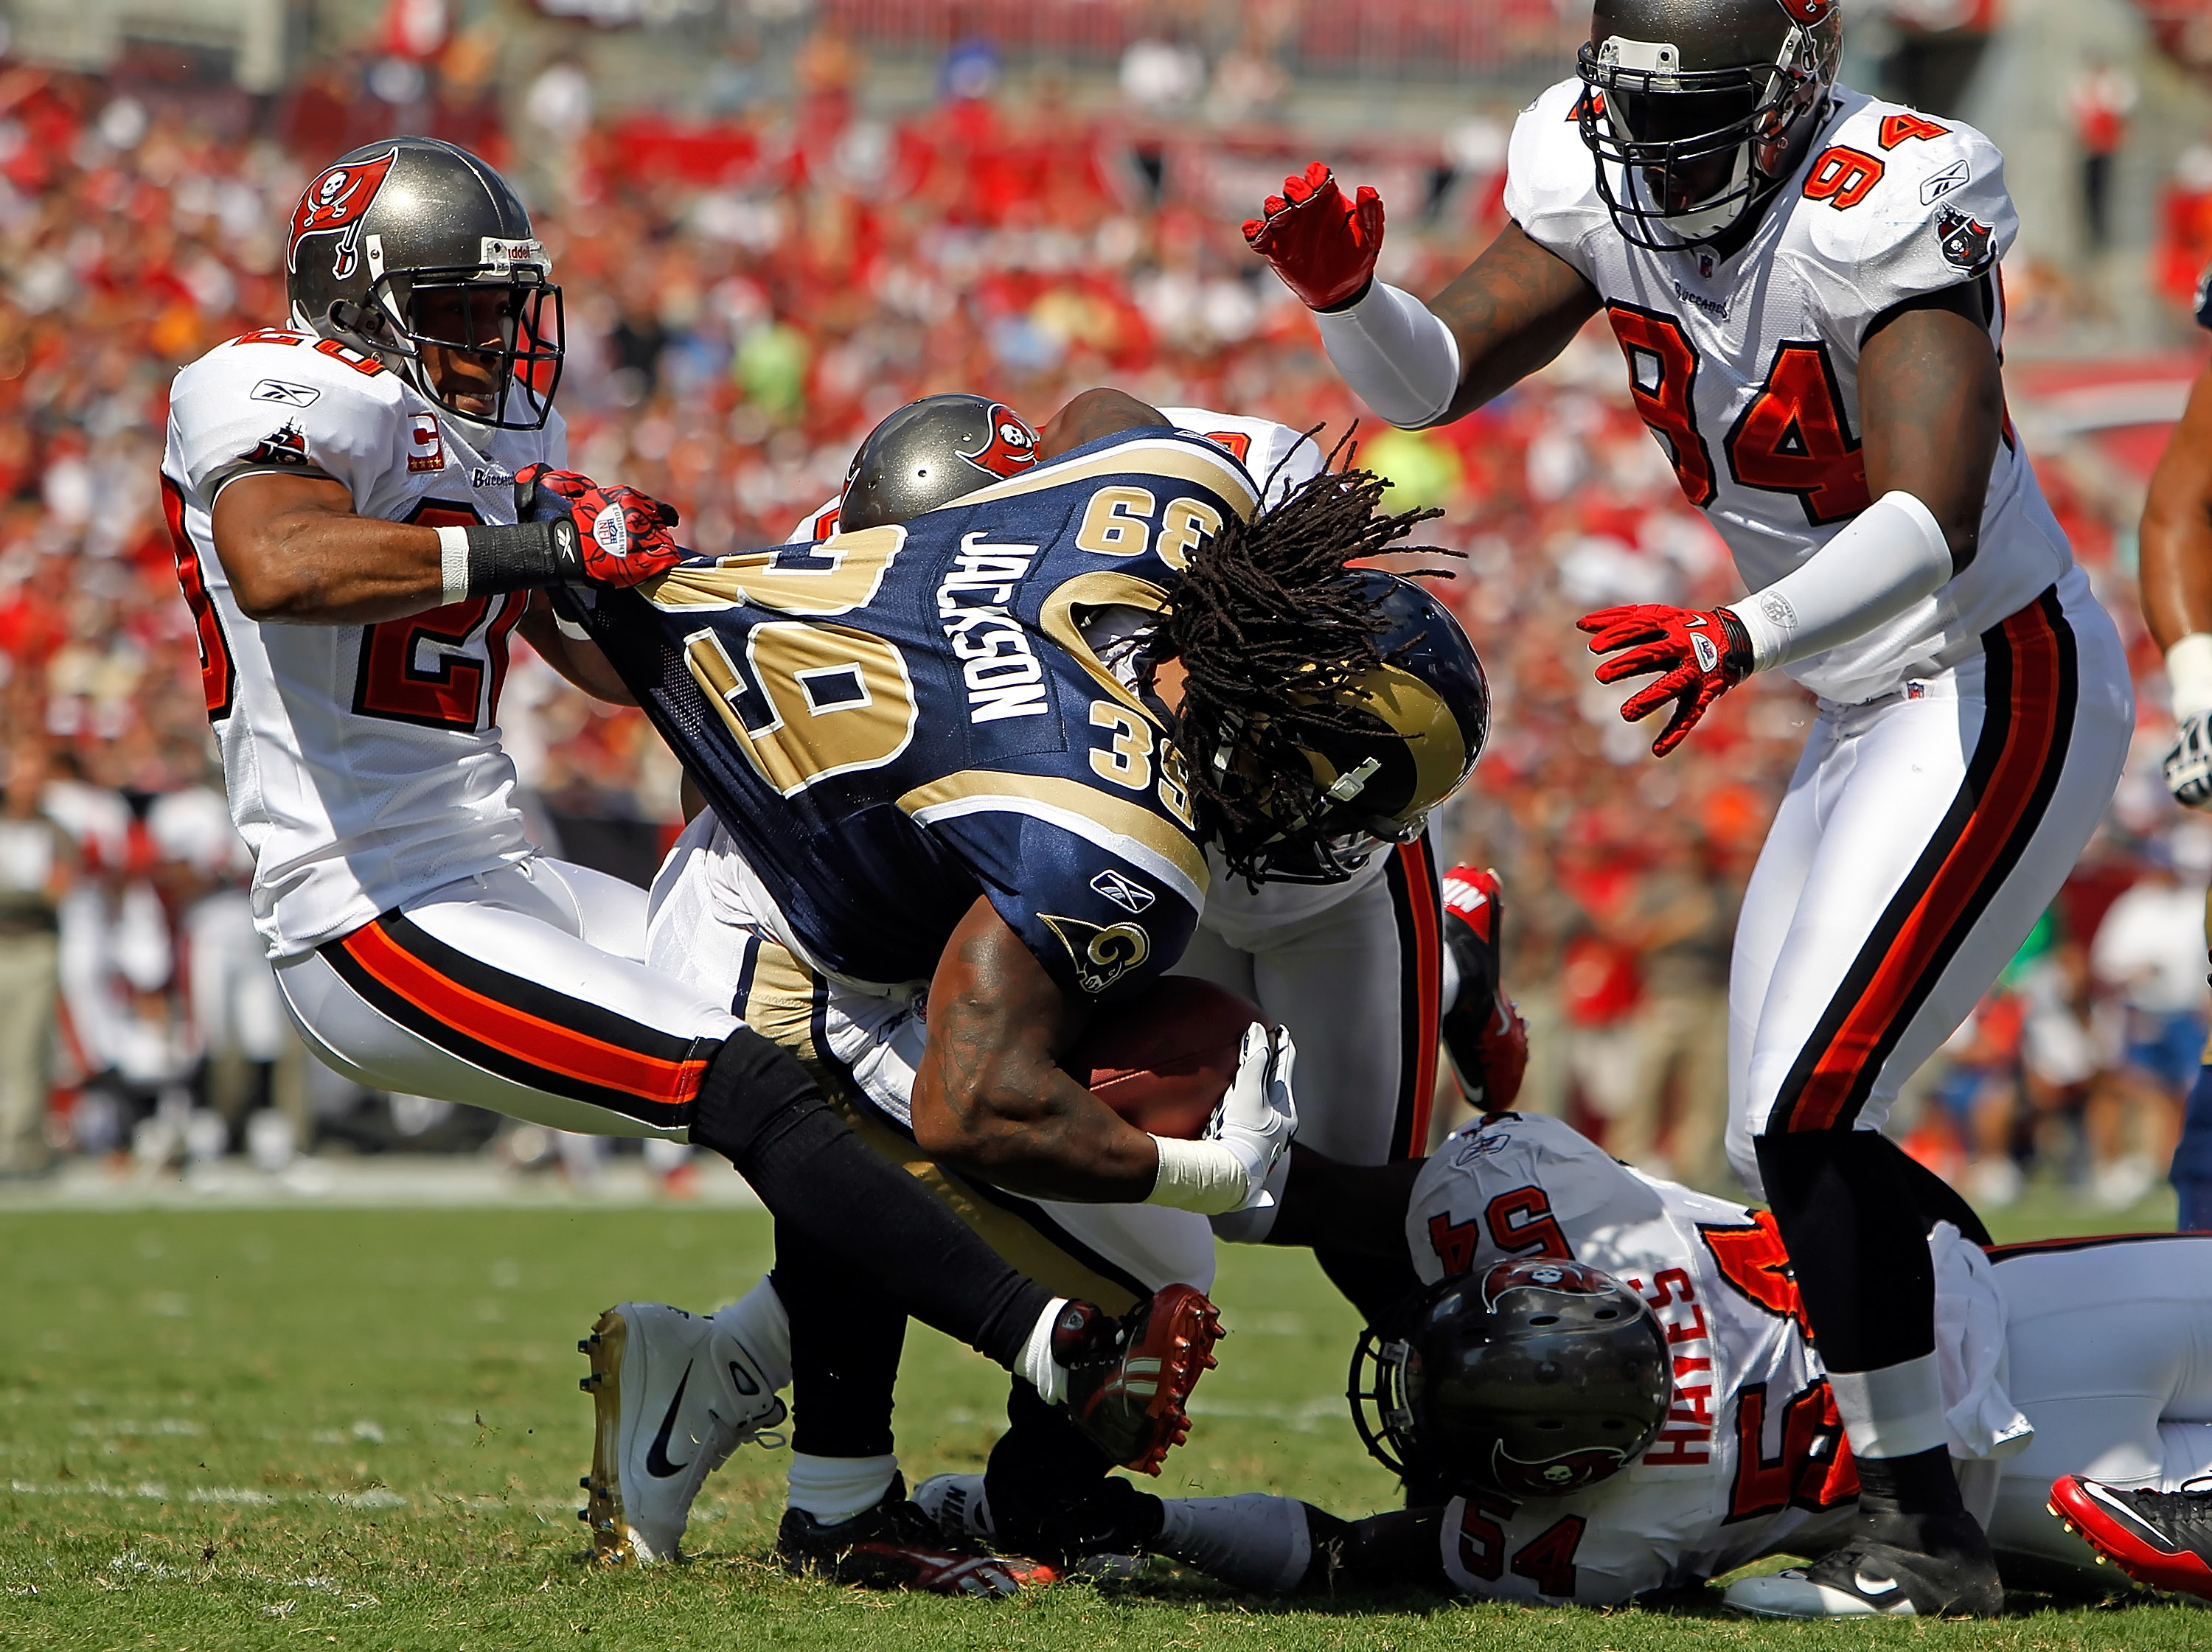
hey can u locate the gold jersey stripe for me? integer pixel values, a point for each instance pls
(1100, 590)
(1126, 828)
(1191, 459)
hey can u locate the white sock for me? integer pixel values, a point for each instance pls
(1037, 1365)
(835, 1488)
(758, 1321)
(1895, 1411)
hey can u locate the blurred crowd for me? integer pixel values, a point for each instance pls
(744, 300)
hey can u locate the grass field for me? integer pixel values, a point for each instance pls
(304, 1428)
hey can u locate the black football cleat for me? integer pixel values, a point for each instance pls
(1129, 1379)
(2163, 1539)
(1867, 1579)
(897, 1545)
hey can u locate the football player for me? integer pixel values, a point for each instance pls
(1803, 282)
(1365, 968)
(342, 493)
(2176, 578)
(1614, 1376)
(951, 814)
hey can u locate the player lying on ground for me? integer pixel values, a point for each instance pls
(1612, 1375)
(945, 761)
(341, 492)
(1803, 282)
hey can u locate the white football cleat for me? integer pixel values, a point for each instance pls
(672, 1397)
(959, 1505)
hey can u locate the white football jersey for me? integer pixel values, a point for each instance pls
(1278, 458)
(1746, 369)
(363, 761)
(1752, 1453)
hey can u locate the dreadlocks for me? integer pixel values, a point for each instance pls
(1271, 625)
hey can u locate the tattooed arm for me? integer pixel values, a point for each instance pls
(990, 1099)
(1511, 311)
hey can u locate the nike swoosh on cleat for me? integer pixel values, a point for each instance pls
(1873, 1586)
(2119, 1510)
(656, 1458)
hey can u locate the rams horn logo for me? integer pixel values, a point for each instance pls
(1104, 953)
(1965, 241)
(335, 202)
(1012, 445)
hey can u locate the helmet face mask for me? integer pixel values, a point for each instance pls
(1533, 1377)
(1419, 721)
(1695, 122)
(417, 252)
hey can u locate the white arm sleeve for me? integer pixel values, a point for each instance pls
(1890, 557)
(2189, 675)
(1392, 350)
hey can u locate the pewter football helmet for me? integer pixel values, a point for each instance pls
(1697, 111)
(395, 222)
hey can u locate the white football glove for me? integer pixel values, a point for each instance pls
(2188, 765)
(1255, 1119)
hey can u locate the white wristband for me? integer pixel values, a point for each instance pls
(1199, 1175)
(1392, 349)
(453, 562)
(2189, 675)
(1891, 554)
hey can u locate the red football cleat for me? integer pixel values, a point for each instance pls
(1129, 1379)
(2163, 1539)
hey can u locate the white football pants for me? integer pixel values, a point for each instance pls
(522, 989)
(865, 1046)
(2109, 1349)
(1359, 986)
(1922, 836)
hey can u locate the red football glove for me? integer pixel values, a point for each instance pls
(1485, 1033)
(1322, 245)
(622, 535)
(1701, 653)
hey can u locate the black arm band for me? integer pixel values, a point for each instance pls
(517, 558)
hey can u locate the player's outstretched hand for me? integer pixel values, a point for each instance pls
(1322, 245)
(1257, 1118)
(1699, 655)
(622, 535)
(2188, 765)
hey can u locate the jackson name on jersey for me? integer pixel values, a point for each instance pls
(1280, 459)
(363, 761)
(893, 721)
(1746, 369)
(1752, 1453)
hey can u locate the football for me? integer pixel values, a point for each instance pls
(1163, 1060)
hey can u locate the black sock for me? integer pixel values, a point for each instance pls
(759, 1109)
(1856, 1244)
(1374, 1285)
(1052, 1496)
(846, 1340)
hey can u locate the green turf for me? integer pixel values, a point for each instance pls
(362, 1428)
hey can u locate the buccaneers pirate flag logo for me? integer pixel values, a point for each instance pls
(1965, 241)
(335, 204)
(1012, 445)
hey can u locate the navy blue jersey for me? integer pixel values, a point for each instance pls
(891, 721)
(2203, 305)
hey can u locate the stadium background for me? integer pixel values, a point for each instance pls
(776, 219)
